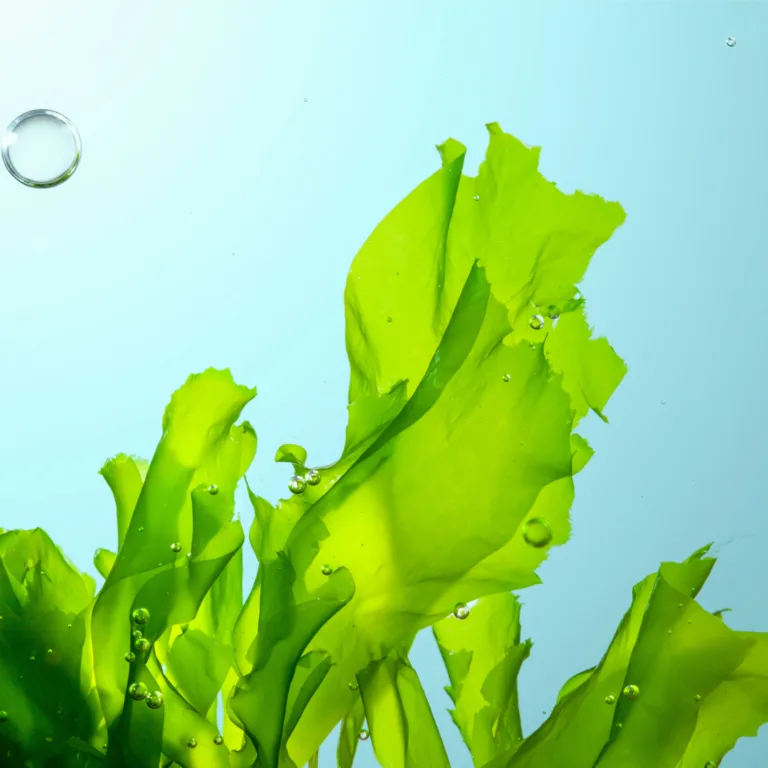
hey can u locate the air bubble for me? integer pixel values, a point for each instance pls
(138, 691)
(730, 42)
(155, 700)
(140, 616)
(537, 532)
(461, 611)
(296, 484)
(631, 692)
(142, 645)
(41, 148)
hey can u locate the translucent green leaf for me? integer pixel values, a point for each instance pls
(483, 655)
(179, 540)
(676, 687)
(460, 424)
(400, 721)
(349, 734)
(44, 605)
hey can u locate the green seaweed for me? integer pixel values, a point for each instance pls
(472, 362)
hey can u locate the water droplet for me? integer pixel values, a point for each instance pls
(138, 691)
(305, 98)
(461, 611)
(140, 616)
(506, 378)
(730, 41)
(553, 312)
(631, 692)
(610, 699)
(141, 529)
(537, 532)
(3, 715)
(364, 735)
(218, 739)
(697, 697)
(192, 743)
(354, 687)
(389, 319)
(710, 764)
(130, 657)
(155, 700)
(69, 626)
(327, 570)
(136, 634)
(176, 546)
(619, 725)
(679, 605)
(312, 477)
(536, 322)
(142, 645)
(669, 631)
(213, 489)
(31, 658)
(296, 484)
(41, 148)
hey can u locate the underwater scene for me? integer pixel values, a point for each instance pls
(383, 385)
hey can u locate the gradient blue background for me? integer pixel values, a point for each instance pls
(216, 212)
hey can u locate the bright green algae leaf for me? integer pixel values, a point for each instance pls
(460, 424)
(483, 656)
(200, 446)
(675, 688)
(44, 605)
(399, 718)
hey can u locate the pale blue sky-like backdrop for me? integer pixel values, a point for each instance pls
(237, 154)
